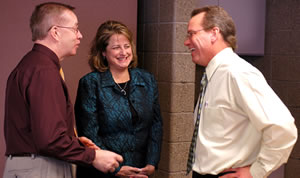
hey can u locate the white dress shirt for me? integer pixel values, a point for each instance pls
(243, 122)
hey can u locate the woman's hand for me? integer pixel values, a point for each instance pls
(130, 172)
(88, 143)
(126, 171)
(148, 170)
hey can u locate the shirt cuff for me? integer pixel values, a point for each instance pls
(257, 170)
(89, 155)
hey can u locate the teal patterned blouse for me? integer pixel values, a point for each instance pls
(103, 115)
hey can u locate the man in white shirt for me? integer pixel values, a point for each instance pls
(245, 130)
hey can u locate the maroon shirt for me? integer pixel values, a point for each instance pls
(39, 115)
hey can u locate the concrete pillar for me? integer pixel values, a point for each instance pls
(162, 26)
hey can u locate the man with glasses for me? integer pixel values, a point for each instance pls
(39, 121)
(242, 128)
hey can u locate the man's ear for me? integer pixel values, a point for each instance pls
(215, 34)
(54, 33)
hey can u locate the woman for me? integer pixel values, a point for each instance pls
(117, 104)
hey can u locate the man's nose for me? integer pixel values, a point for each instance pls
(80, 36)
(186, 42)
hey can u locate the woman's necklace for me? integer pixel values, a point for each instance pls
(123, 89)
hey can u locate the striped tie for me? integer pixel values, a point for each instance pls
(191, 158)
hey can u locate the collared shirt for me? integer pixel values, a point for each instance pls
(39, 115)
(243, 122)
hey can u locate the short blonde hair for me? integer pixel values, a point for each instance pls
(44, 16)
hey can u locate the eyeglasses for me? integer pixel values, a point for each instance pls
(192, 32)
(74, 29)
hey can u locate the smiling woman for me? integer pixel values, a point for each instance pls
(118, 53)
(117, 104)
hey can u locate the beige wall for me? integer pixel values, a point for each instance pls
(16, 39)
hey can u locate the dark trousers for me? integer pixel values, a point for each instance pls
(196, 175)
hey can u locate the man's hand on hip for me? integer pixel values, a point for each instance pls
(242, 172)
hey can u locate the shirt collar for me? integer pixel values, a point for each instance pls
(48, 52)
(215, 62)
